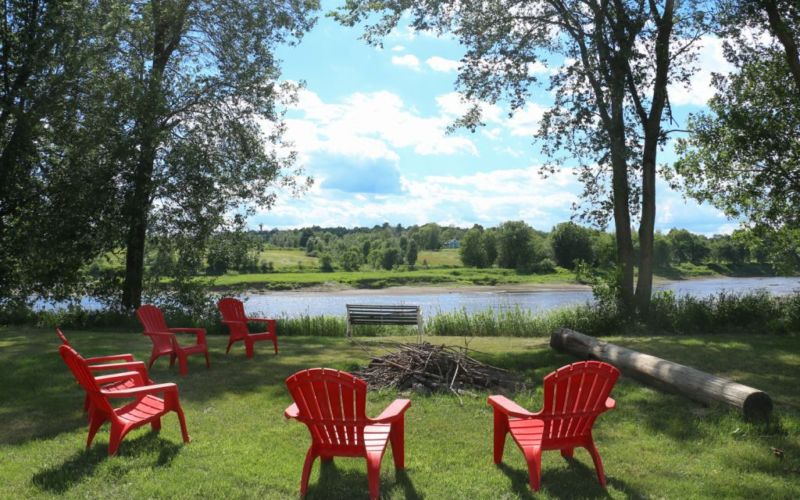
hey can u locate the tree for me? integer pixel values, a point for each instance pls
(662, 251)
(472, 251)
(200, 76)
(688, 247)
(610, 95)
(489, 244)
(571, 243)
(743, 156)
(411, 253)
(515, 245)
(57, 181)
(350, 260)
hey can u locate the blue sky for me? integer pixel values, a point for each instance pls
(370, 124)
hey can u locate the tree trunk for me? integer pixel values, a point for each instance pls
(666, 375)
(137, 215)
(644, 284)
(622, 217)
(651, 123)
(785, 36)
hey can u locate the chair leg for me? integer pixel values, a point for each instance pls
(307, 465)
(230, 343)
(397, 438)
(248, 348)
(115, 438)
(172, 359)
(183, 364)
(567, 452)
(500, 431)
(533, 456)
(182, 421)
(95, 422)
(208, 361)
(156, 425)
(374, 476)
(598, 463)
(153, 358)
(275, 344)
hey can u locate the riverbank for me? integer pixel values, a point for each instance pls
(457, 278)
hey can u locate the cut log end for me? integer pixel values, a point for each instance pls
(757, 407)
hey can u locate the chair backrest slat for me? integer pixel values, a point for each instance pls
(232, 309)
(333, 406)
(62, 336)
(574, 396)
(152, 320)
(80, 370)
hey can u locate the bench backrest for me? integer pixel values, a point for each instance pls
(382, 314)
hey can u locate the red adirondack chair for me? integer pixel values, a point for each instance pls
(332, 404)
(166, 342)
(127, 364)
(574, 395)
(145, 409)
(233, 317)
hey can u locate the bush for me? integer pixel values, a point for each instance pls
(326, 263)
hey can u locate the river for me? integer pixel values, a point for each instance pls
(434, 300)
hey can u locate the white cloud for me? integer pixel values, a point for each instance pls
(492, 133)
(370, 126)
(443, 65)
(710, 59)
(454, 106)
(525, 121)
(488, 198)
(408, 60)
(398, 48)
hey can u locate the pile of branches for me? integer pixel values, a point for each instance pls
(428, 368)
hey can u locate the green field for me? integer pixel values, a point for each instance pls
(654, 445)
(382, 278)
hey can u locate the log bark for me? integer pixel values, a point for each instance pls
(666, 375)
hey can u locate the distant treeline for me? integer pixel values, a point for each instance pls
(511, 245)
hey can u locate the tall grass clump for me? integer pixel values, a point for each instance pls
(758, 312)
(518, 322)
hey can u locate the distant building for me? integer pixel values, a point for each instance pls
(454, 243)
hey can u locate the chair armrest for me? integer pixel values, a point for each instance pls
(161, 334)
(260, 320)
(510, 408)
(112, 357)
(610, 404)
(196, 331)
(394, 411)
(233, 322)
(200, 333)
(292, 411)
(118, 377)
(136, 366)
(141, 391)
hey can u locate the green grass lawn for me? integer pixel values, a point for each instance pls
(289, 259)
(653, 445)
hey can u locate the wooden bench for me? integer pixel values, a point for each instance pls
(361, 314)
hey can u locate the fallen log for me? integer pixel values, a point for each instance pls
(666, 375)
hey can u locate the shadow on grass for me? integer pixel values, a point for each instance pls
(564, 483)
(60, 478)
(337, 483)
